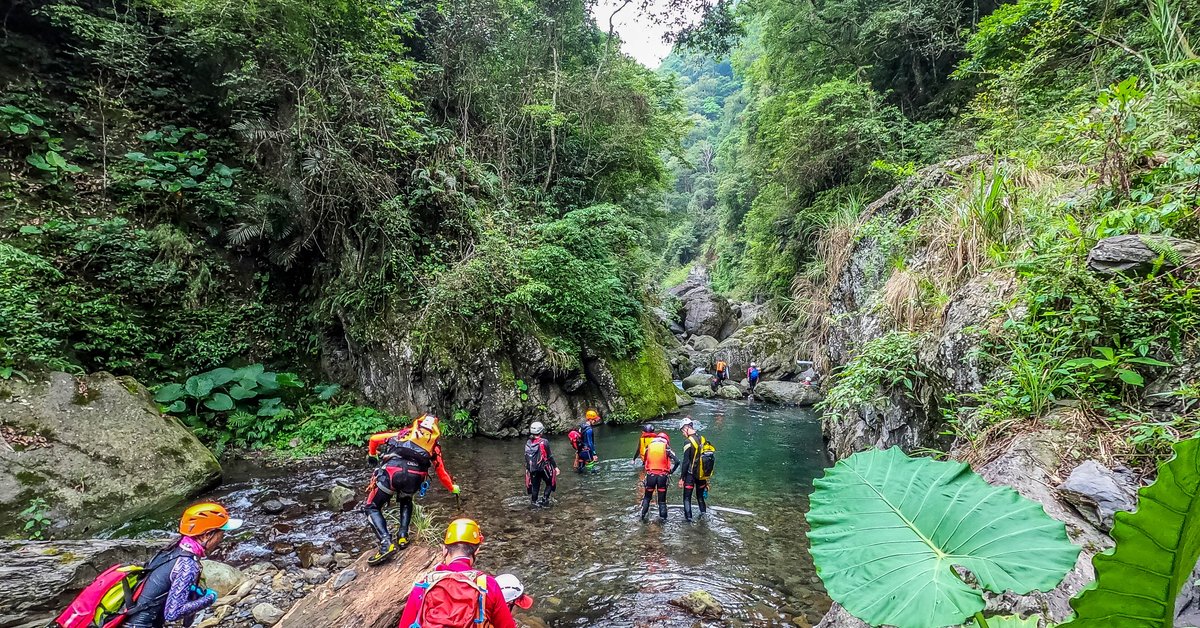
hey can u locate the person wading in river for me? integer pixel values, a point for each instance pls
(539, 465)
(694, 476)
(644, 440)
(455, 593)
(660, 462)
(722, 370)
(752, 375)
(585, 446)
(404, 461)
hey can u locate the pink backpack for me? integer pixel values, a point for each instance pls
(106, 602)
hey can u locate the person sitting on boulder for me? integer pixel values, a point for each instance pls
(404, 461)
(171, 589)
(455, 593)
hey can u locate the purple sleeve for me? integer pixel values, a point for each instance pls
(184, 574)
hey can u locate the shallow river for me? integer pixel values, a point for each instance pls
(588, 559)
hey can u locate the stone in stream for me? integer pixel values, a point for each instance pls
(103, 455)
(341, 499)
(701, 392)
(729, 392)
(267, 614)
(787, 393)
(222, 578)
(1098, 493)
(272, 506)
(683, 400)
(700, 604)
(696, 379)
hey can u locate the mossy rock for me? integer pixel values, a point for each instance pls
(644, 383)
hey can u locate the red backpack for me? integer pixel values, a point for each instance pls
(112, 596)
(451, 599)
(574, 437)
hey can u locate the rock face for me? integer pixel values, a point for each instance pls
(39, 578)
(376, 606)
(1098, 493)
(787, 393)
(1140, 254)
(103, 453)
(506, 391)
(703, 311)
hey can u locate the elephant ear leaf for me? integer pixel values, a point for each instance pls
(1008, 621)
(887, 532)
(1157, 547)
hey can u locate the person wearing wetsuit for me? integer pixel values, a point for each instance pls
(539, 465)
(404, 461)
(691, 468)
(171, 590)
(587, 457)
(660, 462)
(644, 440)
(752, 375)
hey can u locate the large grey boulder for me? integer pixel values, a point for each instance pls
(1140, 254)
(729, 392)
(1098, 493)
(39, 578)
(704, 311)
(787, 393)
(701, 392)
(702, 342)
(103, 453)
(696, 379)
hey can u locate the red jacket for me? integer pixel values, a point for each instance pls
(496, 611)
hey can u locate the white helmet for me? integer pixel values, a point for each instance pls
(536, 428)
(513, 590)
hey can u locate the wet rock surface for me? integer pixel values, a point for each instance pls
(787, 393)
(1098, 492)
(702, 311)
(700, 604)
(104, 453)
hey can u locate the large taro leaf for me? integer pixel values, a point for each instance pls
(887, 530)
(1157, 547)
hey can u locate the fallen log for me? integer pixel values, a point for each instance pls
(361, 596)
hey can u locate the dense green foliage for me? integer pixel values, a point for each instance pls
(888, 532)
(192, 185)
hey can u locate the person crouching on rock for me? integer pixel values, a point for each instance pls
(455, 593)
(404, 461)
(539, 465)
(171, 590)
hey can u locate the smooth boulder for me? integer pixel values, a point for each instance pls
(222, 578)
(696, 379)
(105, 454)
(1099, 493)
(787, 393)
(704, 311)
(729, 392)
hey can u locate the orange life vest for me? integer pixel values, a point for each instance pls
(720, 367)
(656, 459)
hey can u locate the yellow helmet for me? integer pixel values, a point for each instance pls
(592, 415)
(206, 517)
(463, 531)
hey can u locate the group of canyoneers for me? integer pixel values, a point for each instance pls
(170, 586)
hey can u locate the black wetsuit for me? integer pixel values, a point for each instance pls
(403, 468)
(657, 482)
(540, 472)
(691, 467)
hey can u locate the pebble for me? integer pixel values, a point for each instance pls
(344, 579)
(272, 506)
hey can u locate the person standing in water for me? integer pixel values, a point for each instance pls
(694, 476)
(586, 444)
(722, 371)
(660, 462)
(539, 465)
(644, 440)
(404, 461)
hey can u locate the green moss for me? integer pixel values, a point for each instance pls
(644, 382)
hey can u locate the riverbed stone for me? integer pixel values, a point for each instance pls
(696, 379)
(221, 577)
(701, 392)
(271, 506)
(341, 499)
(105, 454)
(787, 393)
(729, 392)
(266, 613)
(700, 603)
(1099, 493)
(683, 400)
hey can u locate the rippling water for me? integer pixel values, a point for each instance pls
(588, 559)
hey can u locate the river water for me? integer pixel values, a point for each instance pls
(588, 559)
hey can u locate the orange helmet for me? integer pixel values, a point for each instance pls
(206, 517)
(592, 415)
(463, 531)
